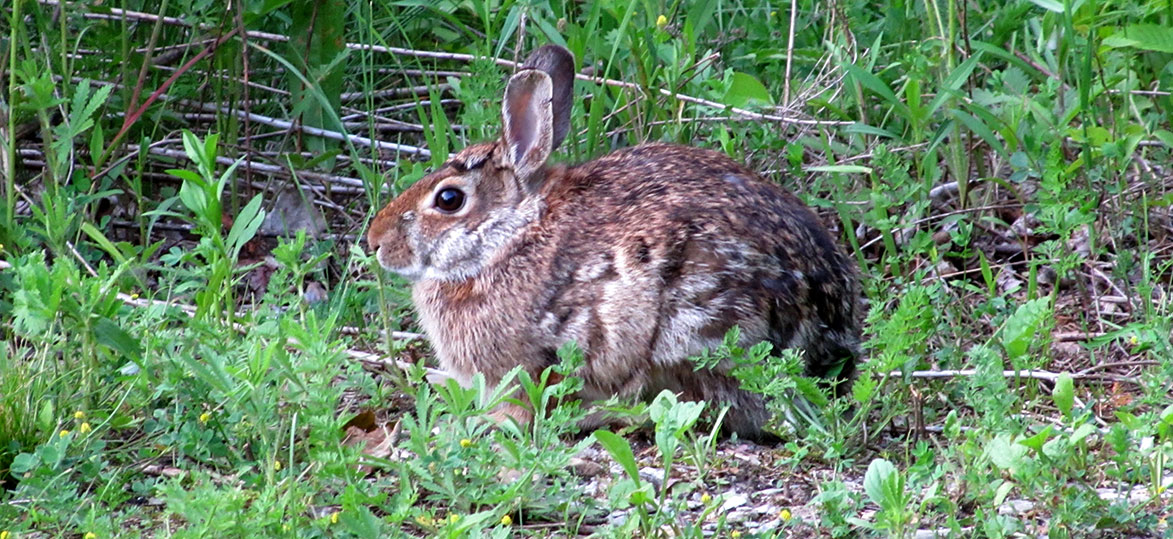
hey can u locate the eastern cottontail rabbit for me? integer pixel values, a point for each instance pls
(644, 257)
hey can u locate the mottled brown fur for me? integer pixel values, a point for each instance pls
(643, 257)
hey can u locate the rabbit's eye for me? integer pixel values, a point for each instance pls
(449, 200)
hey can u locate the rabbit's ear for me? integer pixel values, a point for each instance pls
(528, 120)
(558, 63)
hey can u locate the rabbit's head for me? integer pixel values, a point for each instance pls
(451, 223)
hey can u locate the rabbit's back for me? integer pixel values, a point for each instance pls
(663, 248)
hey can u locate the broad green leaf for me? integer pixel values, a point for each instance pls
(1005, 454)
(1036, 442)
(620, 450)
(884, 484)
(111, 335)
(1002, 491)
(745, 89)
(1019, 330)
(193, 197)
(1149, 37)
(1083, 431)
(1054, 6)
(24, 462)
(1064, 393)
(1165, 137)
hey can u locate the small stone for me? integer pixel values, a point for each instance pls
(1015, 507)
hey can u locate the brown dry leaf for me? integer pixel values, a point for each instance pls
(365, 421)
(376, 440)
(1119, 396)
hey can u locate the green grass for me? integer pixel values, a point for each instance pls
(167, 367)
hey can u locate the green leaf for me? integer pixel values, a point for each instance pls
(1019, 329)
(1083, 431)
(980, 129)
(844, 169)
(884, 485)
(1005, 454)
(952, 84)
(1001, 492)
(245, 227)
(84, 117)
(1130, 421)
(23, 463)
(103, 242)
(1165, 137)
(193, 197)
(1050, 5)
(700, 15)
(111, 335)
(620, 450)
(865, 129)
(1036, 442)
(1149, 37)
(745, 89)
(871, 82)
(1064, 393)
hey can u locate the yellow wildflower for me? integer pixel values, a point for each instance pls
(276, 465)
(785, 515)
(735, 534)
(705, 498)
(661, 21)
(91, 535)
(63, 433)
(465, 442)
(334, 517)
(85, 427)
(4, 534)
(79, 415)
(506, 520)
(204, 417)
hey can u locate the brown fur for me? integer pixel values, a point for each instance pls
(643, 257)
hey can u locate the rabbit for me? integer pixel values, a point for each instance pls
(644, 258)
